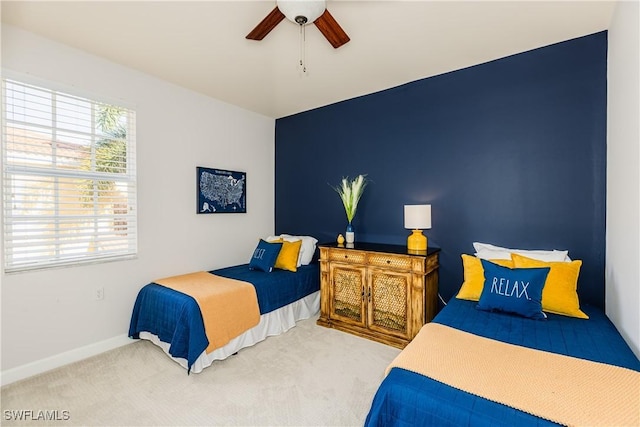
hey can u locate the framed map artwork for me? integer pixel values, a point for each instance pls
(221, 191)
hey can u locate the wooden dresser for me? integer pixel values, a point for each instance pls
(378, 291)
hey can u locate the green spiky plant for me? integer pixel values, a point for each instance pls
(350, 193)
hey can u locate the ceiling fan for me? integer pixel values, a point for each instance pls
(302, 12)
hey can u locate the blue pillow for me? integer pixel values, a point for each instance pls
(264, 256)
(513, 290)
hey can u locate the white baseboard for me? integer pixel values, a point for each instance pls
(39, 366)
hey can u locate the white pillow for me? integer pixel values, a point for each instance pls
(307, 249)
(488, 251)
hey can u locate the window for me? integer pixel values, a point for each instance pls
(69, 180)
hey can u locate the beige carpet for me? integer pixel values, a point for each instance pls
(308, 376)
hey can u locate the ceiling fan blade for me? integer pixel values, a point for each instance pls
(266, 25)
(332, 31)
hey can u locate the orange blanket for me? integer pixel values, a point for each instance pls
(559, 388)
(229, 307)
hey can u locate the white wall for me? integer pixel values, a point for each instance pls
(623, 174)
(51, 317)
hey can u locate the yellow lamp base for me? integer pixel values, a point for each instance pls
(417, 241)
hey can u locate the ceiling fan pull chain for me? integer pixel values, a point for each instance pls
(304, 48)
(303, 59)
(300, 43)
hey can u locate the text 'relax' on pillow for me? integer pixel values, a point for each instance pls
(516, 291)
(474, 276)
(288, 256)
(559, 295)
(264, 256)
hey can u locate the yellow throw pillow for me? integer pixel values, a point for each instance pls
(288, 256)
(474, 276)
(559, 294)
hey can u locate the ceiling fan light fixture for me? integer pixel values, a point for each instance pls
(301, 12)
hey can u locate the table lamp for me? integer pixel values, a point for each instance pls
(417, 218)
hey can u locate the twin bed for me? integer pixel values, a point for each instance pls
(175, 321)
(407, 398)
(488, 367)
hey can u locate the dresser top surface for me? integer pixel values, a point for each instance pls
(380, 247)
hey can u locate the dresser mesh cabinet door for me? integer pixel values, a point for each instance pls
(347, 294)
(387, 298)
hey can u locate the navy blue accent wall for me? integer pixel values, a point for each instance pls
(510, 152)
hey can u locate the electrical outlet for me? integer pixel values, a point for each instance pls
(99, 293)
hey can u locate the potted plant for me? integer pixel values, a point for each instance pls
(350, 192)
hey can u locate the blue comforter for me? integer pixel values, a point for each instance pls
(409, 399)
(175, 318)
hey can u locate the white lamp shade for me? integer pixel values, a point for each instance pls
(310, 9)
(417, 217)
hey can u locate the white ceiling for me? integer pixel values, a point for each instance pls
(201, 45)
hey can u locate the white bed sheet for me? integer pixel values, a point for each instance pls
(273, 323)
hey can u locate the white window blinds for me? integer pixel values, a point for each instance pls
(69, 179)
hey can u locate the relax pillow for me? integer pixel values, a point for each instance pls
(516, 291)
(559, 295)
(474, 276)
(264, 256)
(288, 256)
(488, 251)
